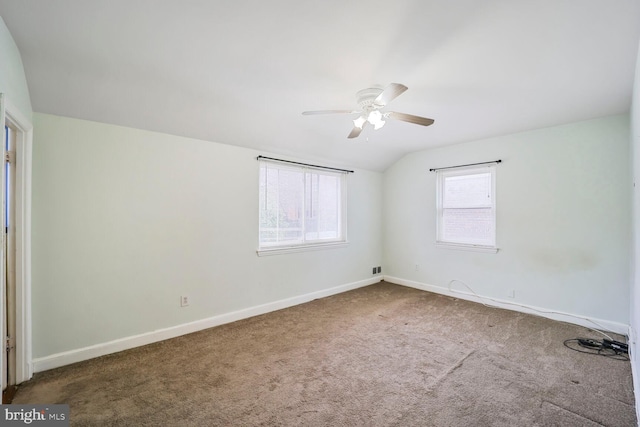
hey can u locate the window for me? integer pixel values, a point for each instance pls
(300, 207)
(467, 208)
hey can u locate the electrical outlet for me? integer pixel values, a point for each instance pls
(379, 269)
(184, 300)
(374, 270)
(512, 293)
(417, 267)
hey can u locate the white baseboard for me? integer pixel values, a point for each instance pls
(80, 354)
(576, 319)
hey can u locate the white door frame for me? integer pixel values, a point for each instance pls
(24, 139)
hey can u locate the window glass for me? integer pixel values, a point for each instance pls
(300, 206)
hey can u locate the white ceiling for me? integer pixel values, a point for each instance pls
(242, 72)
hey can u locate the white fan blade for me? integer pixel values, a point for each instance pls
(423, 121)
(355, 132)
(389, 93)
(311, 113)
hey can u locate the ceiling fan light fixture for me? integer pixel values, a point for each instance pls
(359, 122)
(375, 118)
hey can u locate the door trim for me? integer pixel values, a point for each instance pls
(24, 141)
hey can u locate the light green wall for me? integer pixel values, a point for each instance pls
(125, 221)
(563, 219)
(13, 82)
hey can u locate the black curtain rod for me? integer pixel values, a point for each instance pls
(461, 166)
(304, 164)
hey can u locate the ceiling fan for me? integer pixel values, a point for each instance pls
(371, 101)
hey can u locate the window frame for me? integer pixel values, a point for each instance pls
(305, 245)
(441, 176)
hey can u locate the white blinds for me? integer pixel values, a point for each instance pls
(467, 207)
(467, 191)
(300, 205)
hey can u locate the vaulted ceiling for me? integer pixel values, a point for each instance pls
(242, 72)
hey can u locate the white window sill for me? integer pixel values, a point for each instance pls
(472, 248)
(301, 248)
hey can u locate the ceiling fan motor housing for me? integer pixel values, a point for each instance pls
(367, 96)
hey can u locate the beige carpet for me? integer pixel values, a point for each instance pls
(383, 355)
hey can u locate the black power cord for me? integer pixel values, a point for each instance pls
(609, 348)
